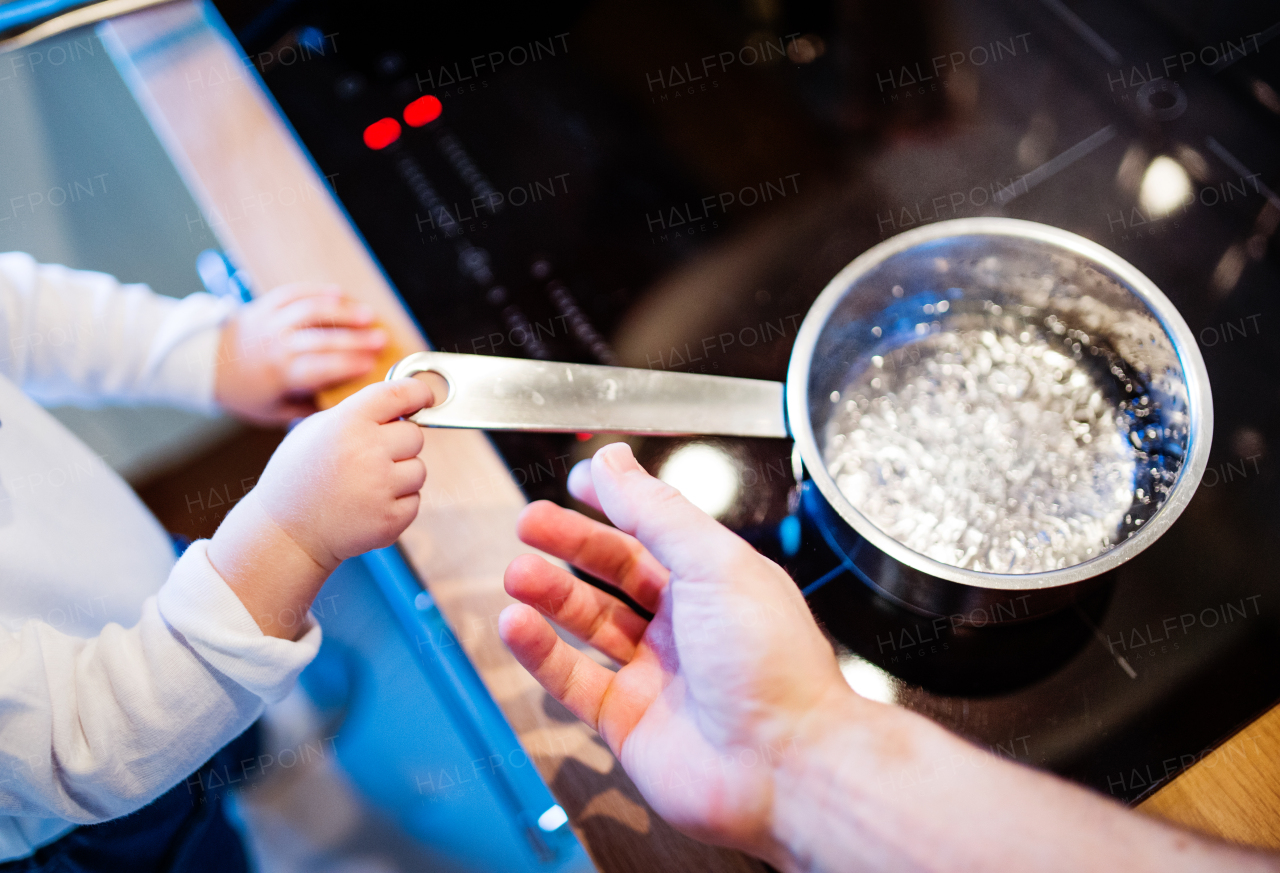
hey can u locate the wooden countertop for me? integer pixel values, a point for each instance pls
(1232, 792)
(239, 160)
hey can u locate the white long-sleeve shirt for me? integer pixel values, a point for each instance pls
(121, 671)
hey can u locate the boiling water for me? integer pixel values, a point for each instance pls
(998, 448)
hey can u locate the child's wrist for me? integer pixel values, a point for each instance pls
(272, 574)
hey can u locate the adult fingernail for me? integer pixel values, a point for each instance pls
(618, 457)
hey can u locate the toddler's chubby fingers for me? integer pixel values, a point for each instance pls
(402, 439)
(318, 340)
(325, 310)
(312, 372)
(407, 508)
(408, 477)
(386, 401)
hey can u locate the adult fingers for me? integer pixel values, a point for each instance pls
(586, 612)
(408, 477)
(402, 439)
(581, 486)
(602, 551)
(568, 675)
(681, 536)
(311, 372)
(336, 339)
(387, 401)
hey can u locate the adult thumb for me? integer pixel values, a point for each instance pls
(684, 539)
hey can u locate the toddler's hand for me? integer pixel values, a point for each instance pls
(343, 482)
(346, 480)
(278, 351)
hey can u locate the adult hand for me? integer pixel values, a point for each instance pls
(276, 352)
(715, 695)
(731, 716)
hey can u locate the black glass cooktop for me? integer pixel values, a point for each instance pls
(669, 185)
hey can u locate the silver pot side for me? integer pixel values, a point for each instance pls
(1052, 270)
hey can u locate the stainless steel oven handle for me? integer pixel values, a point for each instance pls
(493, 393)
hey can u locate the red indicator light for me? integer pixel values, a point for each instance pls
(422, 111)
(583, 437)
(382, 133)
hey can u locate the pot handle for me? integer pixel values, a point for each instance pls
(493, 393)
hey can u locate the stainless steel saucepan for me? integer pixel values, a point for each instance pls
(914, 309)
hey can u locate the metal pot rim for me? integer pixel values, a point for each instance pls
(1199, 400)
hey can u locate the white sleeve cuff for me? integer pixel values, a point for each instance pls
(197, 603)
(184, 359)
